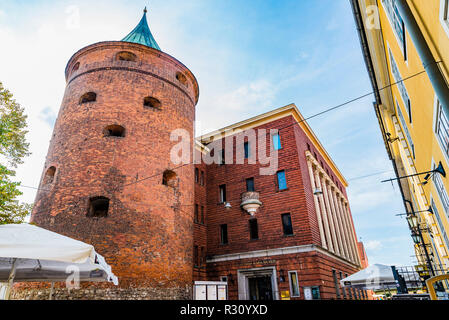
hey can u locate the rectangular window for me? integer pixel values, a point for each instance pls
(224, 234)
(294, 284)
(253, 229)
(400, 85)
(202, 178)
(282, 181)
(442, 129)
(246, 147)
(196, 213)
(223, 193)
(444, 15)
(397, 23)
(440, 223)
(222, 157)
(337, 287)
(405, 128)
(196, 175)
(249, 184)
(287, 226)
(195, 256)
(444, 197)
(316, 293)
(202, 214)
(202, 256)
(277, 142)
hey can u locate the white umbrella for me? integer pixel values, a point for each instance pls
(30, 253)
(378, 277)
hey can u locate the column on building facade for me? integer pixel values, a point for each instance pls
(349, 230)
(337, 224)
(352, 234)
(344, 245)
(324, 212)
(329, 215)
(317, 206)
(346, 236)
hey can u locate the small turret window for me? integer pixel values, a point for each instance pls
(76, 67)
(114, 130)
(88, 97)
(181, 78)
(98, 207)
(49, 175)
(151, 102)
(169, 179)
(126, 56)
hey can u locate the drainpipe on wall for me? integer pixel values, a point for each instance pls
(434, 73)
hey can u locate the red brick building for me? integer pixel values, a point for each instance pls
(109, 180)
(301, 241)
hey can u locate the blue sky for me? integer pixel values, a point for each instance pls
(248, 56)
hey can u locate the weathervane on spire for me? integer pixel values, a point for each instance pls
(145, 10)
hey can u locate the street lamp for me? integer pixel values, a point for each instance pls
(416, 238)
(439, 169)
(412, 220)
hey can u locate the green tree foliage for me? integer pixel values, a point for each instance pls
(13, 148)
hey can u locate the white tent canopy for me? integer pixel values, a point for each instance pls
(30, 253)
(376, 277)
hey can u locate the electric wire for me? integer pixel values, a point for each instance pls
(289, 125)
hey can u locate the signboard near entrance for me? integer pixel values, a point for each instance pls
(285, 295)
(210, 290)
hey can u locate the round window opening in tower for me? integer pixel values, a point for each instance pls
(181, 78)
(169, 178)
(114, 130)
(88, 97)
(126, 56)
(98, 207)
(151, 102)
(49, 175)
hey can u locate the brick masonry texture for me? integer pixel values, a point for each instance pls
(154, 238)
(147, 236)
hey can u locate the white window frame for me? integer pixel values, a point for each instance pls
(389, 10)
(442, 230)
(405, 130)
(403, 92)
(437, 126)
(290, 283)
(444, 15)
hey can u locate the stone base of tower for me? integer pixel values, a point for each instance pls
(104, 294)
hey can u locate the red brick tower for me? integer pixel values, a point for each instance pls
(108, 179)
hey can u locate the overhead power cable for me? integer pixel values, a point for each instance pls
(295, 123)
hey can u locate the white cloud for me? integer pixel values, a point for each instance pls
(373, 245)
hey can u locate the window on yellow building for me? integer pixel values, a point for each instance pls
(400, 85)
(442, 129)
(440, 223)
(444, 15)
(405, 129)
(397, 24)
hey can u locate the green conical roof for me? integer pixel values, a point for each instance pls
(142, 34)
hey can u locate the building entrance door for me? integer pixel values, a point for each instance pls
(260, 288)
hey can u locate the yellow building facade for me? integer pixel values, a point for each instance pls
(406, 49)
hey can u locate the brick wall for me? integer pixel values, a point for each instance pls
(147, 236)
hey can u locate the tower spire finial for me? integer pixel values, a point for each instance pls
(142, 34)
